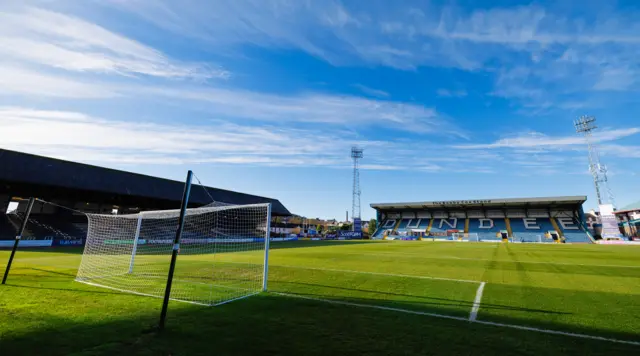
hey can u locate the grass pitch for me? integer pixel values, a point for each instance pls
(343, 297)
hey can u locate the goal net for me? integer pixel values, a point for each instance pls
(221, 253)
(471, 236)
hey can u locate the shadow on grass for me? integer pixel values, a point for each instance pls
(270, 325)
(52, 272)
(90, 291)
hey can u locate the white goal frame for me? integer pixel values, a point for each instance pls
(226, 247)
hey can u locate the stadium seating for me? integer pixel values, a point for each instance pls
(442, 225)
(424, 223)
(571, 231)
(7, 229)
(533, 231)
(403, 225)
(42, 227)
(487, 231)
(388, 224)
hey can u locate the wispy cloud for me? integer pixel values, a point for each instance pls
(372, 92)
(560, 54)
(78, 136)
(17, 80)
(75, 135)
(539, 140)
(339, 110)
(65, 42)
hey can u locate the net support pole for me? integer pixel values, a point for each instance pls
(176, 247)
(135, 243)
(17, 241)
(265, 273)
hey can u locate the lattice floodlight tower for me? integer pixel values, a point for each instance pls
(585, 126)
(223, 253)
(356, 154)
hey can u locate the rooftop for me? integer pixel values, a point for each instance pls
(486, 203)
(24, 173)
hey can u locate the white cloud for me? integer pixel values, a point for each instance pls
(75, 135)
(337, 110)
(81, 137)
(561, 53)
(16, 80)
(538, 140)
(61, 41)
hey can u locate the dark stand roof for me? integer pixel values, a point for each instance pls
(47, 178)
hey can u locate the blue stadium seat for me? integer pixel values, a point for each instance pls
(487, 233)
(572, 231)
(380, 232)
(531, 234)
(441, 225)
(403, 225)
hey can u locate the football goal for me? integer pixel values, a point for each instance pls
(471, 236)
(223, 253)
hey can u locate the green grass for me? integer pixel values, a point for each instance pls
(584, 289)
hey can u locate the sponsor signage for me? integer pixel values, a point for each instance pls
(609, 223)
(357, 225)
(77, 242)
(119, 242)
(349, 235)
(460, 202)
(27, 243)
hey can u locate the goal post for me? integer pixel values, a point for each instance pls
(223, 253)
(135, 243)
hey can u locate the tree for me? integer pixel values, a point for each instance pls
(345, 227)
(320, 228)
(372, 226)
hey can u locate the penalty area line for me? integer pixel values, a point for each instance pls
(476, 302)
(442, 316)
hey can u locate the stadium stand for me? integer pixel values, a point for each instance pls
(523, 219)
(91, 189)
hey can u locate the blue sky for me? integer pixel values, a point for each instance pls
(450, 100)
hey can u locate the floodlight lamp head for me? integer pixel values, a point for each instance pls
(357, 152)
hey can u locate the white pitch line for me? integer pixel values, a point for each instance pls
(399, 310)
(417, 255)
(511, 326)
(476, 302)
(381, 274)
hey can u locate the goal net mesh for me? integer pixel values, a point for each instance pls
(221, 255)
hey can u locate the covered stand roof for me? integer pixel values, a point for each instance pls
(23, 174)
(567, 201)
